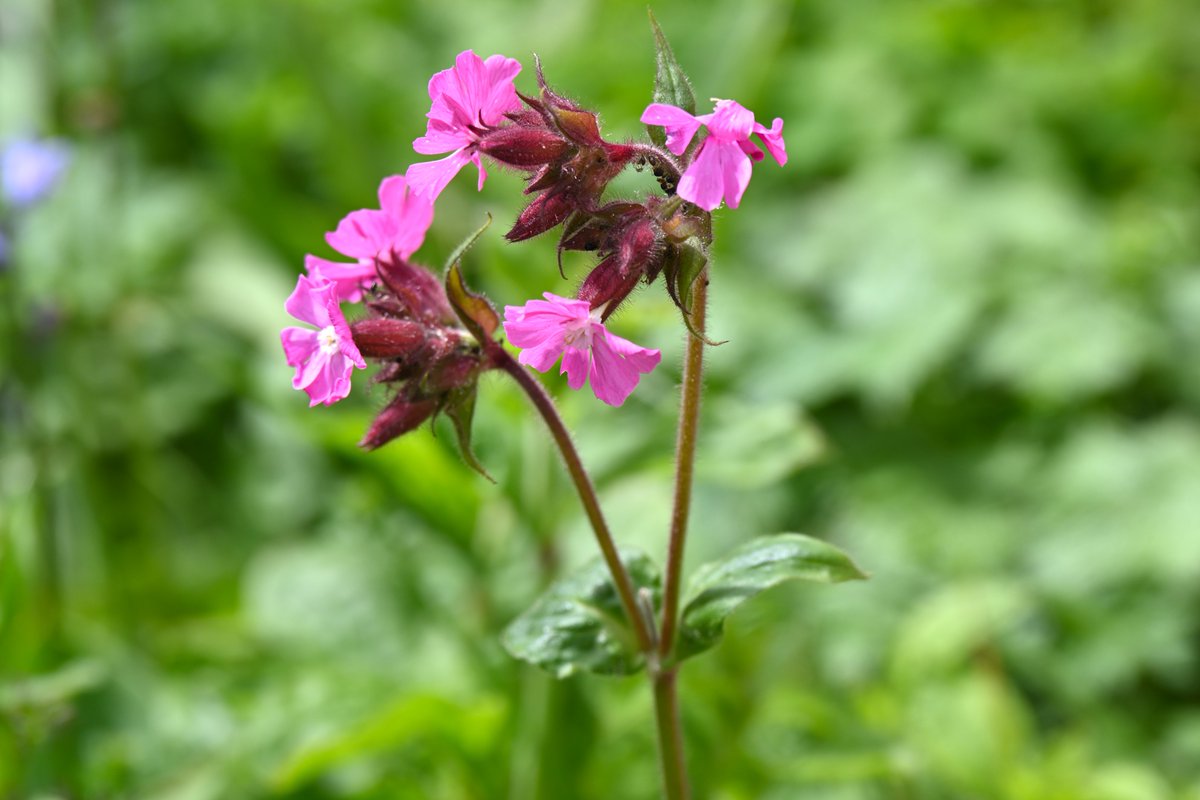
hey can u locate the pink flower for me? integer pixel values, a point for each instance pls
(468, 99)
(323, 358)
(557, 326)
(398, 226)
(722, 164)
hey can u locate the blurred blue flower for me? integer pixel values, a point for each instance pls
(29, 168)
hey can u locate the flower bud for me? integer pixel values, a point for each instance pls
(581, 127)
(546, 211)
(387, 338)
(417, 291)
(454, 372)
(635, 252)
(608, 281)
(397, 418)
(524, 147)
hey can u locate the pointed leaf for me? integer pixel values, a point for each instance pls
(692, 261)
(460, 408)
(717, 589)
(578, 624)
(671, 84)
(467, 243)
(475, 312)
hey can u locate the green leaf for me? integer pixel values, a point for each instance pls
(578, 624)
(467, 243)
(475, 312)
(671, 85)
(460, 408)
(692, 261)
(717, 589)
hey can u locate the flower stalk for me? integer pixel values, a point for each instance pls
(685, 466)
(670, 735)
(587, 494)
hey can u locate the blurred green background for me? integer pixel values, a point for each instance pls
(963, 328)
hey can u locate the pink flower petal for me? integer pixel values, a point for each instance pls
(322, 371)
(361, 234)
(735, 172)
(557, 326)
(473, 93)
(410, 215)
(773, 140)
(576, 363)
(298, 344)
(722, 167)
(730, 121)
(306, 303)
(721, 170)
(702, 183)
(680, 125)
(751, 149)
(501, 96)
(617, 365)
(429, 178)
(349, 280)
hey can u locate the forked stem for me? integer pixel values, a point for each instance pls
(587, 495)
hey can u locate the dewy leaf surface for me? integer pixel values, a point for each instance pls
(718, 588)
(578, 624)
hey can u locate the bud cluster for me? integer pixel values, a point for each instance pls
(426, 357)
(433, 341)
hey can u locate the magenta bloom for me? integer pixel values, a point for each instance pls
(546, 329)
(722, 164)
(323, 358)
(469, 98)
(398, 226)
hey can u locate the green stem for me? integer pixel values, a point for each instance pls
(685, 467)
(670, 736)
(587, 494)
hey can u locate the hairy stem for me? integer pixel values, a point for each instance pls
(587, 494)
(685, 467)
(670, 736)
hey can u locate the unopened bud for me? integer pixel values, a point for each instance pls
(636, 254)
(453, 372)
(580, 127)
(524, 147)
(416, 289)
(398, 417)
(387, 338)
(546, 211)
(608, 282)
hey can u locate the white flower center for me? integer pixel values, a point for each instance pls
(579, 334)
(328, 340)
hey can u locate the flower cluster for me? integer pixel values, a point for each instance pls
(430, 348)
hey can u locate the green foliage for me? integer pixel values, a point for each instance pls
(578, 624)
(671, 84)
(717, 589)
